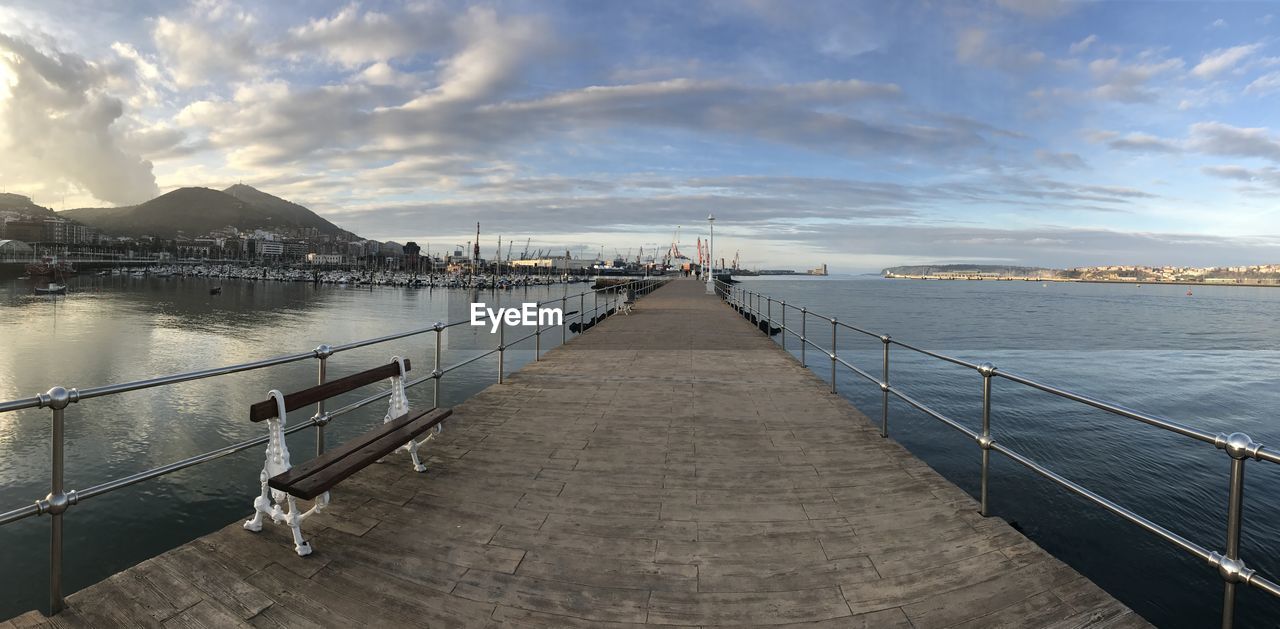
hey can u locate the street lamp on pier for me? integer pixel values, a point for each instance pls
(711, 255)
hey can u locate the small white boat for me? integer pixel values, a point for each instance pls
(52, 289)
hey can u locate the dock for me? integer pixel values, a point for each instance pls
(668, 467)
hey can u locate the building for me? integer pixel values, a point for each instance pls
(325, 258)
(295, 249)
(24, 230)
(270, 249)
(15, 249)
(559, 263)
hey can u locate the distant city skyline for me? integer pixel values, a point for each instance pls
(860, 135)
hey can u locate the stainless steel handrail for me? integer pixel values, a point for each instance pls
(1238, 446)
(59, 499)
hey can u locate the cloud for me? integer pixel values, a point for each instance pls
(1038, 8)
(1218, 23)
(1263, 182)
(353, 37)
(1217, 138)
(198, 51)
(1054, 246)
(1143, 143)
(1264, 84)
(1066, 161)
(975, 46)
(58, 124)
(1083, 45)
(1222, 60)
(1128, 82)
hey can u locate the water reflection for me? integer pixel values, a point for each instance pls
(112, 329)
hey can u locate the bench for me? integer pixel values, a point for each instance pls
(284, 484)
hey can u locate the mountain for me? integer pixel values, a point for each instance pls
(284, 212)
(10, 202)
(195, 211)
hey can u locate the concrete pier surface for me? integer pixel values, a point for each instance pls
(670, 467)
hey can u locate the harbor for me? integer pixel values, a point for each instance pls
(740, 492)
(562, 314)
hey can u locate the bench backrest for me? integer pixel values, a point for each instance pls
(306, 397)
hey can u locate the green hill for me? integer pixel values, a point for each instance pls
(195, 211)
(18, 203)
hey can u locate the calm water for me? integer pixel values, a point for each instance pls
(120, 329)
(1209, 360)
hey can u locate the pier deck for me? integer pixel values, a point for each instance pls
(672, 467)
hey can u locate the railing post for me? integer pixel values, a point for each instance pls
(58, 500)
(1240, 447)
(582, 310)
(537, 342)
(784, 325)
(984, 441)
(435, 371)
(323, 353)
(502, 347)
(884, 389)
(804, 340)
(833, 354)
(768, 317)
(564, 325)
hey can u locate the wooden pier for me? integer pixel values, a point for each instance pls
(671, 467)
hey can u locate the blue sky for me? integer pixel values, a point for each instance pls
(861, 135)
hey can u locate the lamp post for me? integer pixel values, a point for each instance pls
(711, 255)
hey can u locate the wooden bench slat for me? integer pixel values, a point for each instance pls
(330, 456)
(317, 480)
(306, 397)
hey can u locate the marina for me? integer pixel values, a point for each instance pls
(568, 497)
(561, 314)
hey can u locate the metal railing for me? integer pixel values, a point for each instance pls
(759, 309)
(58, 398)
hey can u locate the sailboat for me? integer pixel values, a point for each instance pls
(52, 289)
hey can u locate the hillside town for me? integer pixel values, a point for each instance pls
(29, 232)
(1257, 274)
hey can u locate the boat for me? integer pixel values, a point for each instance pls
(1188, 292)
(216, 290)
(52, 289)
(49, 266)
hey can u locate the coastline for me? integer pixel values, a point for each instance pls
(1275, 284)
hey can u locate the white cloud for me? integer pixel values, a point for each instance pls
(975, 46)
(1222, 60)
(1264, 84)
(1218, 23)
(353, 37)
(1217, 138)
(1066, 161)
(1038, 8)
(59, 125)
(1083, 45)
(1128, 82)
(196, 54)
(1143, 143)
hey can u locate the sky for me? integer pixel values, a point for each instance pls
(857, 134)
